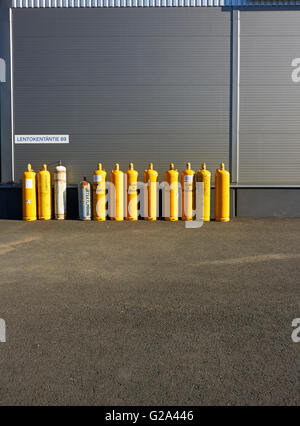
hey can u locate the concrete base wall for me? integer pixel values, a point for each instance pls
(268, 202)
(244, 202)
(260, 202)
(11, 202)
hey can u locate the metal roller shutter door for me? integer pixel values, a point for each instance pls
(269, 99)
(127, 85)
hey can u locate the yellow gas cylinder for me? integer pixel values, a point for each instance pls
(29, 194)
(222, 194)
(131, 193)
(99, 194)
(150, 181)
(44, 194)
(203, 175)
(188, 192)
(171, 194)
(117, 194)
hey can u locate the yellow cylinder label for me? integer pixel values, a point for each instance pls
(97, 178)
(28, 184)
(188, 178)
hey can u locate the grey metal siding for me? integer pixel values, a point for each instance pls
(269, 99)
(127, 85)
(6, 155)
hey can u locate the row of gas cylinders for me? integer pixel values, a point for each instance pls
(123, 194)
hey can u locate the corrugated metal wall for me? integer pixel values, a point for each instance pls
(125, 84)
(152, 3)
(269, 99)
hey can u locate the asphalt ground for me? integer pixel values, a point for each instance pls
(150, 313)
